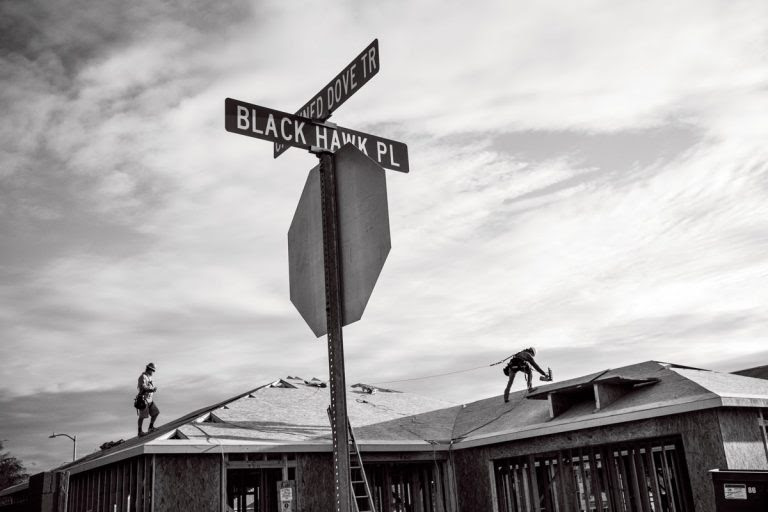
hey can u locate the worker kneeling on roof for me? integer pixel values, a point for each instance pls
(522, 362)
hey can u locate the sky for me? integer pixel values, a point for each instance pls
(587, 177)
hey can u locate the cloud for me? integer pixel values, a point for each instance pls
(587, 178)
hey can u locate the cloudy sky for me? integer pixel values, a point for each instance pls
(588, 177)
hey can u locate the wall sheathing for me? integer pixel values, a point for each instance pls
(742, 439)
(700, 433)
(314, 482)
(191, 483)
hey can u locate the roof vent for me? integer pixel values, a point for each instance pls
(315, 382)
(178, 435)
(370, 389)
(562, 400)
(210, 418)
(280, 383)
(610, 389)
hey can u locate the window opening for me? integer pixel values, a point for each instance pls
(648, 476)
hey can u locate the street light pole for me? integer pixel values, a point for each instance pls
(74, 441)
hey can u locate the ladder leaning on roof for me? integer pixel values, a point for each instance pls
(360, 489)
(358, 482)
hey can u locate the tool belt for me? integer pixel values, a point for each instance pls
(139, 402)
(515, 365)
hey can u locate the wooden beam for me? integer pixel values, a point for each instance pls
(563, 498)
(261, 464)
(606, 394)
(763, 430)
(668, 478)
(651, 465)
(641, 479)
(152, 497)
(376, 458)
(137, 500)
(612, 479)
(223, 482)
(634, 479)
(558, 404)
(595, 474)
(534, 483)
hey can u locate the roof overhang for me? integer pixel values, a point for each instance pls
(15, 488)
(225, 446)
(599, 419)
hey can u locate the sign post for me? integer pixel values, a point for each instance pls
(338, 417)
(307, 130)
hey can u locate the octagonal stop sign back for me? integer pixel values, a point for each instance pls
(363, 233)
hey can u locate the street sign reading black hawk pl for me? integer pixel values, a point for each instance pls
(268, 124)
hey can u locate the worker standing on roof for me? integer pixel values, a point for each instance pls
(522, 362)
(147, 390)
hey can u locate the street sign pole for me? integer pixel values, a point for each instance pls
(333, 301)
(308, 131)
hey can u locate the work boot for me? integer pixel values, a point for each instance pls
(142, 433)
(151, 429)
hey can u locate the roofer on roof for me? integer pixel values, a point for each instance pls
(522, 362)
(147, 391)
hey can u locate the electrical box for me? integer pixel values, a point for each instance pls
(740, 490)
(286, 492)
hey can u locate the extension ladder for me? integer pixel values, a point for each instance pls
(361, 492)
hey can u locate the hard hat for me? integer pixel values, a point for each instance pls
(532, 351)
(151, 366)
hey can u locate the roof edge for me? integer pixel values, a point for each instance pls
(543, 429)
(15, 488)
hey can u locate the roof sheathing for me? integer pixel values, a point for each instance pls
(734, 390)
(299, 414)
(130, 446)
(294, 419)
(491, 417)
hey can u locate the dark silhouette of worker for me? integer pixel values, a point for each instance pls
(147, 389)
(522, 362)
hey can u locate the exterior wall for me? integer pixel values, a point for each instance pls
(314, 482)
(742, 439)
(123, 486)
(48, 491)
(187, 482)
(700, 432)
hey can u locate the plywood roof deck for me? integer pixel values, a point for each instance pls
(293, 418)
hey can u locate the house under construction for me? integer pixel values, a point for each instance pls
(639, 438)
